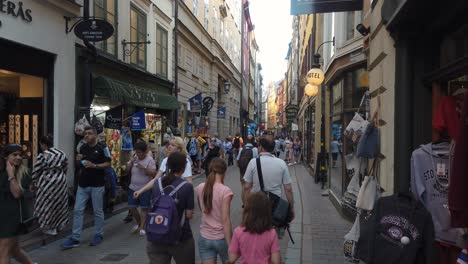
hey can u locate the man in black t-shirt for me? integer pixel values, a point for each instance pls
(94, 158)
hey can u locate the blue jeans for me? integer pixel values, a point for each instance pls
(210, 249)
(82, 196)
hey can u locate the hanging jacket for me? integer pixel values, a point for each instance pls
(431, 187)
(396, 218)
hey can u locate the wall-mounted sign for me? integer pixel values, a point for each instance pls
(94, 30)
(114, 118)
(291, 112)
(300, 7)
(15, 9)
(138, 121)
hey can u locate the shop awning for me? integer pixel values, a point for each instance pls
(133, 95)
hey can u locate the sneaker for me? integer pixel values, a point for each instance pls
(51, 232)
(135, 228)
(70, 243)
(142, 232)
(97, 239)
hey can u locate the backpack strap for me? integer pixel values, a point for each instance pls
(260, 175)
(161, 189)
(177, 188)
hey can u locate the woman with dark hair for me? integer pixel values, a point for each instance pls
(50, 184)
(183, 251)
(14, 179)
(214, 199)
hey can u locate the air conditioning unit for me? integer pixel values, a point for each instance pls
(223, 10)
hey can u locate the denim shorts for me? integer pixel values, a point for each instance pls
(210, 249)
(143, 201)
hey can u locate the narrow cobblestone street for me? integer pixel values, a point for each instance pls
(318, 231)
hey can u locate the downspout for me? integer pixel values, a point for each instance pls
(241, 119)
(176, 59)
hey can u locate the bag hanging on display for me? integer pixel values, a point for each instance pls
(353, 169)
(369, 192)
(357, 125)
(80, 125)
(368, 145)
(351, 242)
(97, 125)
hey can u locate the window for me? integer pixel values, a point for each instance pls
(181, 56)
(207, 14)
(221, 33)
(188, 60)
(200, 68)
(138, 34)
(195, 7)
(107, 9)
(161, 51)
(349, 25)
(215, 22)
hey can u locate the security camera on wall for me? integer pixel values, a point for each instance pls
(363, 30)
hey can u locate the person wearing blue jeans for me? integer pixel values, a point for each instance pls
(95, 158)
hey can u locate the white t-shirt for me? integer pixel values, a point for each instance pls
(188, 168)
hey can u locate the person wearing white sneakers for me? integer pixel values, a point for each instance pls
(143, 169)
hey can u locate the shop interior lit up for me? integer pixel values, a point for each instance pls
(21, 111)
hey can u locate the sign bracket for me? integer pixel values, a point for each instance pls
(69, 29)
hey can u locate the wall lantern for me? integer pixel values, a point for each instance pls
(227, 86)
(315, 76)
(311, 90)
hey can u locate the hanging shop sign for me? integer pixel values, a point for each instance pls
(114, 118)
(291, 112)
(195, 103)
(301, 7)
(94, 30)
(15, 9)
(221, 113)
(207, 105)
(138, 121)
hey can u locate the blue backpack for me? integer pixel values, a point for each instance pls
(163, 223)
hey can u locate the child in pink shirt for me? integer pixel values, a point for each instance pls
(255, 241)
(215, 199)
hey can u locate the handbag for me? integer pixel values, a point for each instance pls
(358, 124)
(353, 168)
(368, 143)
(351, 242)
(369, 192)
(281, 210)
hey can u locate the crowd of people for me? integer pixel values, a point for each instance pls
(161, 197)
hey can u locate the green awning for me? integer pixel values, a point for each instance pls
(133, 95)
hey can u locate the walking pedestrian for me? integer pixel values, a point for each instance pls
(277, 147)
(334, 149)
(237, 144)
(246, 154)
(14, 180)
(287, 147)
(214, 199)
(94, 157)
(255, 240)
(143, 168)
(193, 147)
(228, 149)
(49, 180)
(213, 151)
(220, 144)
(275, 173)
(182, 248)
(297, 149)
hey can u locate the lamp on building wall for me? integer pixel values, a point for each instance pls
(227, 86)
(315, 76)
(311, 90)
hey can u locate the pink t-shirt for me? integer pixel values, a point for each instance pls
(254, 248)
(211, 226)
(139, 178)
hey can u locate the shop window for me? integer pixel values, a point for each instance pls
(21, 111)
(107, 9)
(161, 51)
(138, 34)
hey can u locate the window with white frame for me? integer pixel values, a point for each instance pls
(195, 8)
(215, 22)
(138, 34)
(181, 55)
(188, 59)
(221, 32)
(207, 14)
(161, 51)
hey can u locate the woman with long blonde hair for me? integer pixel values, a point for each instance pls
(176, 144)
(214, 199)
(14, 179)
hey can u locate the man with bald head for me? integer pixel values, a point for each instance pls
(275, 173)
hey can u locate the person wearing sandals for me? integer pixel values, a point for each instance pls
(14, 179)
(214, 199)
(143, 169)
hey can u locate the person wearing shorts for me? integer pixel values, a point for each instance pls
(143, 168)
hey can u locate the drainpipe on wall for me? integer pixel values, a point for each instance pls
(176, 58)
(241, 119)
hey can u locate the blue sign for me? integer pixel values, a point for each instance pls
(138, 121)
(195, 103)
(222, 113)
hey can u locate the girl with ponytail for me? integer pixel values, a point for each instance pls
(214, 199)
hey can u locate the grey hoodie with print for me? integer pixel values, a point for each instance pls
(432, 189)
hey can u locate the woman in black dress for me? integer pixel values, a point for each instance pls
(14, 180)
(213, 151)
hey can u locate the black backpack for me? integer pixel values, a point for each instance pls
(244, 159)
(236, 144)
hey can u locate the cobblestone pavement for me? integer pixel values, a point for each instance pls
(318, 231)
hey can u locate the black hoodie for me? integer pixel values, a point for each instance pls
(395, 217)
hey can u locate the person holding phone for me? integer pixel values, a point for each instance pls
(143, 168)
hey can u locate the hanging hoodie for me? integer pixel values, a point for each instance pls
(430, 169)
(400, 231)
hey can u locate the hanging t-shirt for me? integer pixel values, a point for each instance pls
(458, 190)
(446, 117)
(430, 169)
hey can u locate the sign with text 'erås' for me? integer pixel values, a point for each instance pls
(94, 30)
(301, 7)
(15, 9)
